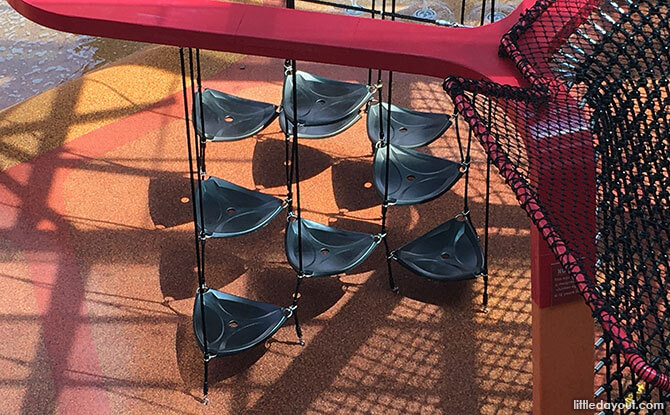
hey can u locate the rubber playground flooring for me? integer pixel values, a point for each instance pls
(96, 235)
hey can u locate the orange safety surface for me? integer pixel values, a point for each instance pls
(96, 232)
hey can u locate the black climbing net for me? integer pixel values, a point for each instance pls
(586, 149)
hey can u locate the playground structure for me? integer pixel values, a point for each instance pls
(536, 177)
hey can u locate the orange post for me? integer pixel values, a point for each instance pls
(562, 338)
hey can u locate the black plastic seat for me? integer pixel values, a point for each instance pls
(321, 100)
(229, 118)
(450, 252)
(409, 128)
(327, 251)
(232, 210)
(234, 324)
(319, 131)
(414, 177)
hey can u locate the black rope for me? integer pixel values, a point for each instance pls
(372, 15)
(487, 198)
(483, 15)
(293, 175)
(203, 136)
(465, 164)
(493, 10)
(288, 149)
(199, 163)
(296, 175)
(387, 169)
(294, 306)
(487, 206)
(385, 141)
(199, 267)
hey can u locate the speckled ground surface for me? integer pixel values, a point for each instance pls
(95, 234)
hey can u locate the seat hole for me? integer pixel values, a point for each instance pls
(319, 101)
(228, 119)
(184, 200)
(367, 185)
(324, 251)
(411, 178)
(403, 130)
(231, 211)
(232, 323)
(445, 256)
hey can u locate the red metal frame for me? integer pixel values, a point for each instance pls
(283, 33)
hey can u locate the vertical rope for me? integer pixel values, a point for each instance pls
(493, 11)
(387, 169)
(483, 15)
(487, 202)
(295, 176)
(372, 15)
(203, 136)
(385, 140)
(199, 163)
(296, 156)
(465, 163)
(487, 206)
(201, 276)
(288, 149)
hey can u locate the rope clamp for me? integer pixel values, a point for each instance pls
(465, 166)
(287, 201)
(202, 289)
(288, 311)
(207, 357)
(290, 216)
(392, 255)
(379, 237)
(463, 214)
(380, 143)
(374, 88)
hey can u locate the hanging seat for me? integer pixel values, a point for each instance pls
(232, 210)
(233, 323)
(229, 118)
(323, 101)
(450, 252)
(409, 128)
(327, 251)
(319, 131)
(414, 177)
